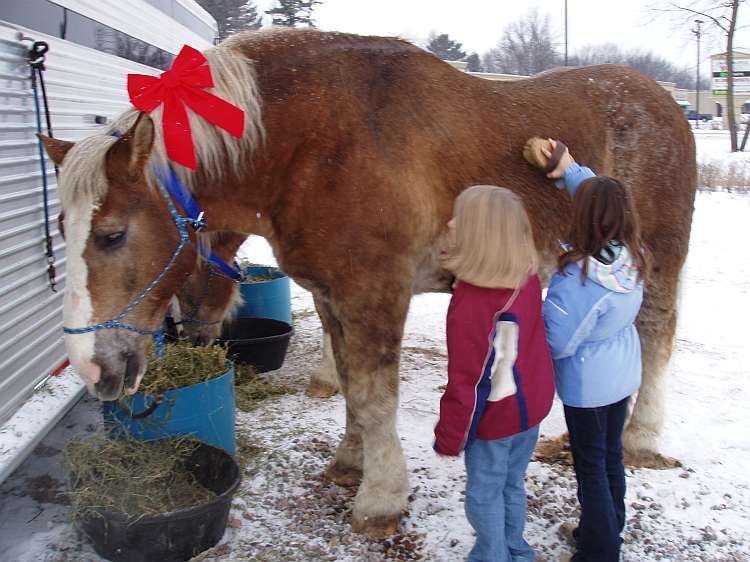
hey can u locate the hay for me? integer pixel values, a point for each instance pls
(258, 277)
(183, 365)
(250, 389)
(132, 477)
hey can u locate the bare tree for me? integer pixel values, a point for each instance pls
(526, 47)
(722, 17)
(649, 63)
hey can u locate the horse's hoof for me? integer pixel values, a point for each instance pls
(376, 528)
(317, 389)
(346, 476)
(647, 459)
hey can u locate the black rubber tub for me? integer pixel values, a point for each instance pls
(261, 342)
(176, 536)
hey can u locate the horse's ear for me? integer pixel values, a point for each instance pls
(141, 136)
(56, 149)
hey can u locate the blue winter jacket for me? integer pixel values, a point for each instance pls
(590, 326)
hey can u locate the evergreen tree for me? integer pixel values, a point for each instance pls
(444, 47)
(291, 13)
(474, 63)
(232, 15)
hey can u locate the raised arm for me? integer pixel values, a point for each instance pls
(568, 170)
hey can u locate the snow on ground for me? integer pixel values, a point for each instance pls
(714, 147)
(285, 511)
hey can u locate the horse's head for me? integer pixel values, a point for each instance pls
(207, 300)
(120, 238)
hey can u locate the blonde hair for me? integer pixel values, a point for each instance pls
(492, 243)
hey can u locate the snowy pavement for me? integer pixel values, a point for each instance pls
(285, 511)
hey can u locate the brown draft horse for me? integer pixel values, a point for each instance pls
(354, 152)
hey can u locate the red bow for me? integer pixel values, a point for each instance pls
(180, 86)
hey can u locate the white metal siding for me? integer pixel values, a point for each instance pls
(145, 22)
(81, 83)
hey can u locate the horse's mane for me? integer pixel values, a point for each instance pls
(234, 81)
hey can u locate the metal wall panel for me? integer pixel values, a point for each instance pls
(143, 21)
(82, 83)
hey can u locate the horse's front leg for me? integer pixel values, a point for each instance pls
(367, 341)
(346, 468)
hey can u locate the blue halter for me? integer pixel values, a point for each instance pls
(168, 184)
(168, 178)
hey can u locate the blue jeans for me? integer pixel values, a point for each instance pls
(496, 496)
(596, 443)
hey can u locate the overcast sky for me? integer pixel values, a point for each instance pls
(478, 24)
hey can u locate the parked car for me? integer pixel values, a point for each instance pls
(692, 115)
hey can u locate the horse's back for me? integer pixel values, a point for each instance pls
(412, 132)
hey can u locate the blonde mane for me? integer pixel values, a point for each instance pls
(84, 174)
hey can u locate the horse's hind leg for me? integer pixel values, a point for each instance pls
(324, 381)
(656, 326)
(367, 341)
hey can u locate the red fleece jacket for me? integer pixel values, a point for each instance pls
(500, 375)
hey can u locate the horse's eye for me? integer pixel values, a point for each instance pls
(110, 241)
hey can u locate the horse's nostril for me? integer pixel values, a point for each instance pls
(108, 388)
(132, 366)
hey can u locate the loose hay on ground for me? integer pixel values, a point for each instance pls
(250, 389)
(132, 477)
(246, 451)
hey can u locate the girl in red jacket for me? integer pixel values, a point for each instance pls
(500, 377)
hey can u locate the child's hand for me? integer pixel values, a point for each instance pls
(565, 160)
(440, 453)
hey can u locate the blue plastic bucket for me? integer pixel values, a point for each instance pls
(266, 299)
(204, 410)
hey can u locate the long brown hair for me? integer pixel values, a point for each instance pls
(603, 212)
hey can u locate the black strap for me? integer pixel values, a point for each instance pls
(36, 59)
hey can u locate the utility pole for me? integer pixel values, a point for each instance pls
(697, 33)
(566, 32)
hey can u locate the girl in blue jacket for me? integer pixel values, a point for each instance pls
(590, 313)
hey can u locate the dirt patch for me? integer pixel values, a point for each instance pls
(302, 314)
(46, 451)
(46, 489)
(427, 352)
(554, 451)
(557, 451)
